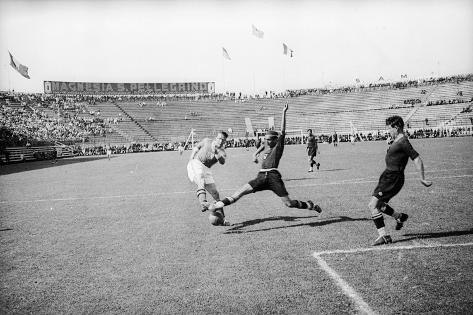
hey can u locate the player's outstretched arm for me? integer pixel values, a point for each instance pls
(283, 120)
(420, 168)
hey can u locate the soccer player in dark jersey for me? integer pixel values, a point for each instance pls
(392, 179)
(312, 150)
(268, 177)
(335, 139)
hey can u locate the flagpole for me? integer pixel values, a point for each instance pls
(8, 74)
(223, 74)
(9, 81)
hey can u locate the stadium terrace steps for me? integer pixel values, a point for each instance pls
(126, 125)
(151, 121)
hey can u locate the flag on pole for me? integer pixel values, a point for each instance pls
(225, 54)
(258, 33)
(22, 69)
(287, 51)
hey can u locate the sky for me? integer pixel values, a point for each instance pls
(334, 42)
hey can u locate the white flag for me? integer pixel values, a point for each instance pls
(258, 33)
(225, 54)
(286, 50)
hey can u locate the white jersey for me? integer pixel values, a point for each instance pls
(206, 153)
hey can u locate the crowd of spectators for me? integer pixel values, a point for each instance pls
(382, 85)
(39, 118)
(250, 142)
(451, 101)
(162, 100)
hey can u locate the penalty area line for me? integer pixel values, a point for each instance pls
(348, 290)
(387, 248)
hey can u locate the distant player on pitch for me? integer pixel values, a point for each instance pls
(392, 179)
(205, 154)
(312, 150)
(268, 177)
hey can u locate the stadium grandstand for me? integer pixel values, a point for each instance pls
(34, 126)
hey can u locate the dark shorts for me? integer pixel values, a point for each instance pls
(389, 185)
(270, 180)
(312, 152)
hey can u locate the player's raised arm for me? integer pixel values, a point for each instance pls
(283, 120)
(420, 167)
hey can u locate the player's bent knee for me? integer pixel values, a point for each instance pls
(375, 212)
(373, 206)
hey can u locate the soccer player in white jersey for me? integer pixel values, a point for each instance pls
(204, 155)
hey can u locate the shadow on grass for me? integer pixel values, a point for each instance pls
(238, 227)
(414, 236)
(6, 169)
(332, 170)
(315, 171)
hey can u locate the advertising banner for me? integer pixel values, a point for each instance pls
(59, 87)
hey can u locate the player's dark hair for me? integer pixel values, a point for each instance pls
(309, 130)
(271, 134)
(224, 133)
(395, 121)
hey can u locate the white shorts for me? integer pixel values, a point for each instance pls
(196, 168)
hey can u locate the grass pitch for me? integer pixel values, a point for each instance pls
(88, 235)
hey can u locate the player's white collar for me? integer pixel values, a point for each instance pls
(398, 137)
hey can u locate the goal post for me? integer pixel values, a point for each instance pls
(190, 139)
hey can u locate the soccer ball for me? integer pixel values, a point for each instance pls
(230, 130)
(216, 218)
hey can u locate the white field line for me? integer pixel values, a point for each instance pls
(342, 182)
(387, 248)
(361, 305)
(362, 181)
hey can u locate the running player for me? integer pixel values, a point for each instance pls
(109, 152)
(205, 154)
(392, 179)
(312, 150)
(335, 139)
(268, 177)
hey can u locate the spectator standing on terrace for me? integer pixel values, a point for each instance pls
(268, 177)
(204, 155)
(335, 139)
(392, 179)
(312, 150)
